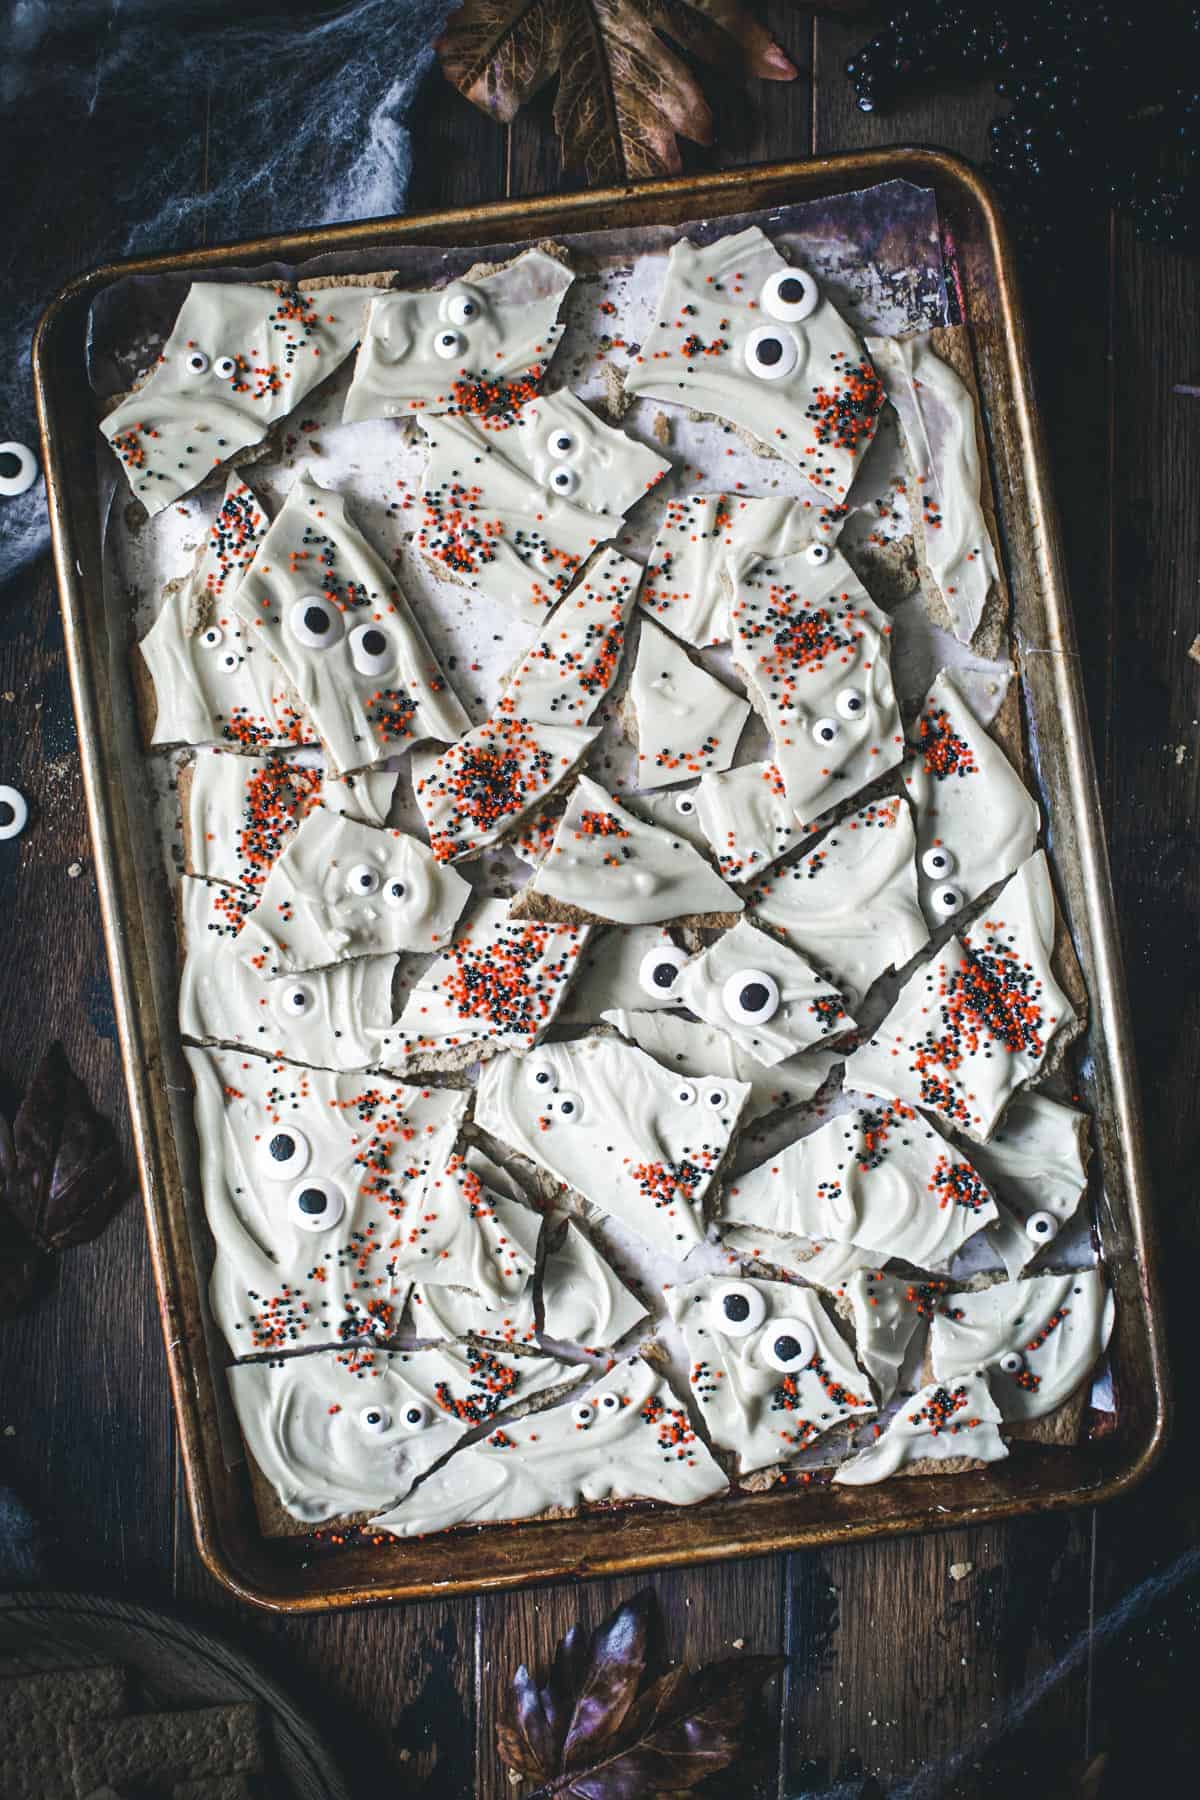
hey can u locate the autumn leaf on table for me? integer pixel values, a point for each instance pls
(625, 96)
(598, 1730)
(63, 1180)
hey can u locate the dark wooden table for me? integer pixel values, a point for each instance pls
(1050, 1650)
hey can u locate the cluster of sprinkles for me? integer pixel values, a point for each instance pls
(958, 1184)
(511, 981)
(674, 1430)
(485, 783)
(939, 1413)
(943, 753)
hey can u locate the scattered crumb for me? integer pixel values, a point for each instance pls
(404, 1756)
(74, 869)
(10, 696)
(1181, 751)
(739, 1643)
(661, 428)
(1193, 650)
(514, 1778)
(960, 1571)
(10, 1431)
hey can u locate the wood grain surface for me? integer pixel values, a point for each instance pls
(1007, 1676)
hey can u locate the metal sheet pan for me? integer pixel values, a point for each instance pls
(295, 1575)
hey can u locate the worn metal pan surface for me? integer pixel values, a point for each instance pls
(296, 1574)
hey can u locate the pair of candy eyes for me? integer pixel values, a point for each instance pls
(749, 996)
(459, 307)
(771, 353)
(377, 1419)
(851, 704)
(938, 863)
(737, 1310)
(586, 1412)
(363, 881)
(224, 367)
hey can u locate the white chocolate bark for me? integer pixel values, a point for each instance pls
(976, 820)
(814, 650)
(694, 1049)
(746, 818)
(1034, 1162)
(328, 608)
(307, 1178)
(742, 334)
(241, 810)
(616, 867)
(828, 1265)
(512, 513)
(703, 543)
(937, 416)
(941, 1423)
(239, 357)
(212, 684)
(619, 970)
(459, 347)
(338, 1018)
(673, 810)
(483, 786)
(583, 1299)
(768, 999)
(622, 1131)
(636, 1444)
(345, 1433)
(975, 1023)
(882, 1179)
(344, 889)
(850, 906)
(462, 1232)
(576, 655)
(1038, 1339)
(437, 1312)
(499, 982)
(891, 1323)
(688, 722)
(768, 1371)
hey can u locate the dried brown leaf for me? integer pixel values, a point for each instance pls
(594, 1732)
(66, 1179)
(625, 96)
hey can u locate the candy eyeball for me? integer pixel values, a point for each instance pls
(395, 891)
(362, 881)
(791, 294)
(375, 1419)
(937, 863)
(659, 969)
(685, 805)
(14, 812)
(1011, 1363)
(18, 470)
(609, 1403)
(283, 1153)
(568, 1106)
(788, 1345)
(750, 997)
(850, 703)
(541, 1076)
(946, 900)
(560, 442)
(316, 1205)
(736, 1309)
(826, 731)
(416, 1416)
(295, 999)
(212, 638)
(771, 352)
(462, 307)
(315, 622)
(583, 1413)
(563, 480)
(448, 344)
(371, 650)
(818, 555)
(196, 363)
(715, 1098)
(225, 367)
(685, 1094)
(229, 660)
(1041, 1228)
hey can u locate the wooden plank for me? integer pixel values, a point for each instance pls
(706, 1614)
(458, 153)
